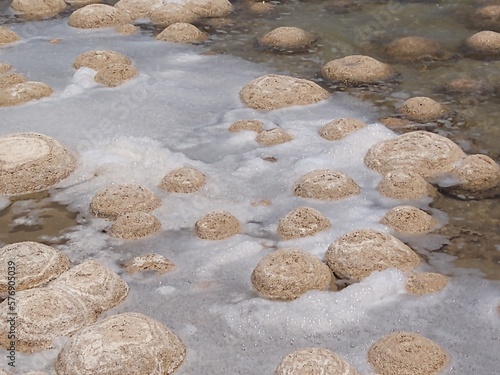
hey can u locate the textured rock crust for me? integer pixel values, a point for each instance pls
(4, 68)
(11, 79)
(247, 125)
(31, 162)
(115, 74)
(326, 184)
(127, 29)
(273, 137)
(402, 184)
(23, 92)
(314, 361)
(149, 262)
(340, 128)
(171, 13)
(302, 222)
(476, 173)
(100, 59)
(422, 109)
(414, 48)
(134, 225)
(95, 16)
(138, 8)
(409, 219)
(483, 43)
(38, 8)
(357, 254)
(426, 282)
(183, 180)
(210, 8)
(182, 32)
(487, 18)
(287, 38)
(277, 91)
(286, 274)
(357, 69)
(464, 86)
(128, 343)
(217, 225)
(8, 36)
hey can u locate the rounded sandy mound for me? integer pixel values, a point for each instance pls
(96, 285)
(407, 353)
(117, 200)
(138, 8)
(286, 274)
(135, 225)
(487, 18)
(7, 36)
(182, 32)
(426, 282)
(115, 74)
(484, 43)
(100, 59)
(149, 262)
(4, 68)
(357, 69)
(23, 92)
(414, 48)
(217, 225)
(210, 8)
(8, 80)
(38, 8)
(408, 219)
(276, 91)
(273, 137)
(43, 314)
(247, 125)
(340, 128)
(477, 173)
(464, 86)
(302, 222)
(401, 184)
(357, 254)
(31, 162)
(183, 180)
(287, 38)
(326, 184)
(314, 361)
(421, 109)
(425, 153)
(34, 264)
(128, 343)
(127, 29)
(94, 16)
(171, 13)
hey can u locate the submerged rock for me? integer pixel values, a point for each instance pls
(326, 184)
(414, 48)
(115, 74)
(273, 137)
(4, 68)
(483, 44)
(357, 69)
(100, 59)
(487, 18)
(302, 222)
(149, 262)
(287, 38)
(247, 125)
(217, 225)
(422, 109)
(182, 32)
(171, 13)
(340, 128)
(314, 361)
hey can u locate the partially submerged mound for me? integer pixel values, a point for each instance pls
(115, 74)
(149, 262)
(274, 91)
(340, 128)
(465, 86)
(171, 13)
(23, 92)
(357, 254)
(100, 59)
(95, 16)
(8, 80)
(247, 125)
(273, 137)
(422, 109)
(38, 8)
(32, 263)
(476, 173)
(183, 180)
(402, 184)
(314, 361)
(31, 162)
(483, 44)
(356, 69)
(138, 8)
(407, 353)
(135, 225)
(128, 343)
(408, 219)
(287, 38)
(425, 153)
(302, 222)
(425, 283)
(217, 225)
(182, 32)
(286, 274)
(326, 184)
(4, 68)
(210, 8)
(487, 18)
(415, 48)
(7, 36)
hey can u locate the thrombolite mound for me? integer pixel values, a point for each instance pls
(182, 32)
(476, 173)
(210, 8)
(31, 162)
(135, 225)
(302, 222)
(115, 74)
(38, 8)
(421, 109)
(7, 36)
(414, 48)
(314, 361)
(355, 255)
(149, 262)
(183, 180)
(128, 343)
(487, 18)
(44, 314)
(117, 200)
(127, 29)
(8, 80)
(138, 8)
(287, 38)
(100, 59)
(273, 137)
(246, 125)
(274, 91)
(94, 284)
(408, 219)
(35, 264)
(171, 13)
(426, 282)
(425, 153)
(356, 69)
(464, 86)
(23, 92)
(217, 225)
(340, 128)
(407, 353)
(483, 43)
(326, 184)
(286, 274)
(95, 16)
(402, 184)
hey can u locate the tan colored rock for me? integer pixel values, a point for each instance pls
(149, 262)
(483, 43)
(340, 128)
(115, 74)
(7, 36)
(247, 125)
(426, 282)
(138, 8)
(93, 283)
(260, 7)
(422, 152)
(183, 180)
(34, 264)
(302, 222)
(464, 86)
(30, 162)
(217, 225)
(95, 16)
(182, 32)
(407, 353)
(44, 314)
(117, 200)
(134, 225)
(287, 38)
(356, 69)
(477, 173)
(128, 343)
(273, 137)
(487, 18)
(100, 59)
(210, 8)
(314, 361)
(422, 109)
(127, 29)
(11, 79)
(4, 68)
(414, 48)
(81, 3)
(171, 13)
(326, 184)
(286, 274)
(409, 219)
(23, 92)
(277, 91)
(38, 8)
(402, 184)
(355, 255)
